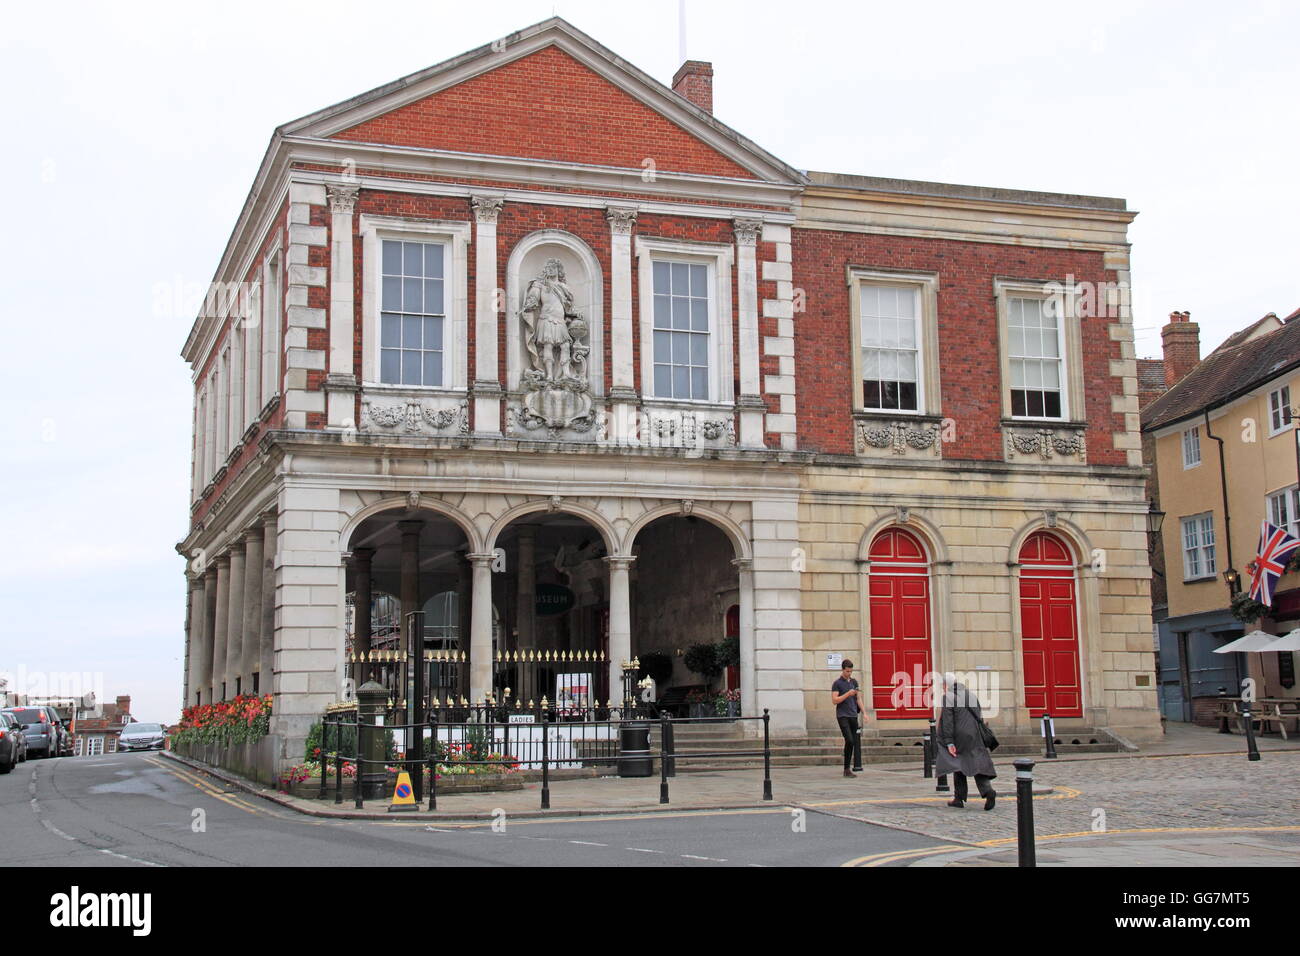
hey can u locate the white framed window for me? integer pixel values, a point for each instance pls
(895, 341)
(1198, 547)
(1192, 447)
(1279, 410)
(686, 337)
(414, 303)
(1037, 360)
(682, 323)
(891, 347)
(1042, 367)
(1283, 509)
(413, 313)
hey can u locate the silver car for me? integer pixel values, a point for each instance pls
(142, 737)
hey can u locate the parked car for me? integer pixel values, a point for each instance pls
(13, 745)
(18, 735)
(42, 736)
(64, 748)
(141, 736)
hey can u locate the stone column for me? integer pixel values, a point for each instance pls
(480, 629)
(487, 382)
(622, 391)
(235, 618)
(194, 654)
(220, 627)
(361, 598)
(620, 620)
(251, 646)
(266, 633)
(526, 606)
(410, 587)
(209, 632)
(750, 401)
(341, 380)
(748, 699)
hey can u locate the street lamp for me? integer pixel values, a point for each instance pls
(1155, 521)
(1231, 576)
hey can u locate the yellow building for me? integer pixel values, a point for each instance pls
(1226, 459)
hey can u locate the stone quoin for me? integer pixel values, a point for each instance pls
(532, 320)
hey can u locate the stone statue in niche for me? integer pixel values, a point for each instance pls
(557, 394)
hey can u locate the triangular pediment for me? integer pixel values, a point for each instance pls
(548, 93)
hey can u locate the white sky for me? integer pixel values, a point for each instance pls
(132, 134)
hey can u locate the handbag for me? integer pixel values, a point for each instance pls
(991, 742)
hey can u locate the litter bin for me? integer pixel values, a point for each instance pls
(634, 750)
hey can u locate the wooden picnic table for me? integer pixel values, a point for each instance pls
(1263, 711)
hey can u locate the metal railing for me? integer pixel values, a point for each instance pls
(513, 746)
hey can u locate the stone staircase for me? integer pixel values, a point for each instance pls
(821, 749)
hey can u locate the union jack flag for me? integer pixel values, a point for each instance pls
(1275, 550)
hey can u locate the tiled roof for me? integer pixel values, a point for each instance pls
(1151, 374)
(1227, 372)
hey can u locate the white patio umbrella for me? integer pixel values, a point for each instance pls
(1253, 642)
(1290, 642)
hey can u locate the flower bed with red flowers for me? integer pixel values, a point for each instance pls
(245, 719)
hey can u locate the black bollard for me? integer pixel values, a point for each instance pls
(546, 762)
(928, 747)
(1224, 728)
(767, 755)
(1025, 810)
(1252, 750)
(663, 758)
(1049, 732)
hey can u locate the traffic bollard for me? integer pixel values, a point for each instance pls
(663, 759)
(1025, 810)
(1049, 732)
(1252, 750)
(767, 755)
(928, 770)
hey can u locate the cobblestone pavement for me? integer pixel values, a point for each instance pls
(1221, 800)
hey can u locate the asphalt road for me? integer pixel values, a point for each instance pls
(135, 810)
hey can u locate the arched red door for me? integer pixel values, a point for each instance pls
(1049, 616)
(900, 625)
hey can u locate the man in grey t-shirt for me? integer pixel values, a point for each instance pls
(848, 705)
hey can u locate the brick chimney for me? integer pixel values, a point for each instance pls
(694, 80)
(124, 705)
(1182, 345)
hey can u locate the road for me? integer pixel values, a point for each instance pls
(142, 810)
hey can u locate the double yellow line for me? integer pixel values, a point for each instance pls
(201, 784)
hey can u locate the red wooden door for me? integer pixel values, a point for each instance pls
(900, 626)
(1049, 615)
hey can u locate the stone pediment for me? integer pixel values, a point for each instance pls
(555, 94)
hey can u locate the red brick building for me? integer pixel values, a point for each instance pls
(530, 319)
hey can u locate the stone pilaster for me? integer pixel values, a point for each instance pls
(487, 381)
(341, 381)
(750, 402)
(623, 395)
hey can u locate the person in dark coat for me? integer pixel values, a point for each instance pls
(961, 745)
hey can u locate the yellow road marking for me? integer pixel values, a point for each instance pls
(1004, 841)
(201, 784)
(881, 859)
(1059, 793)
